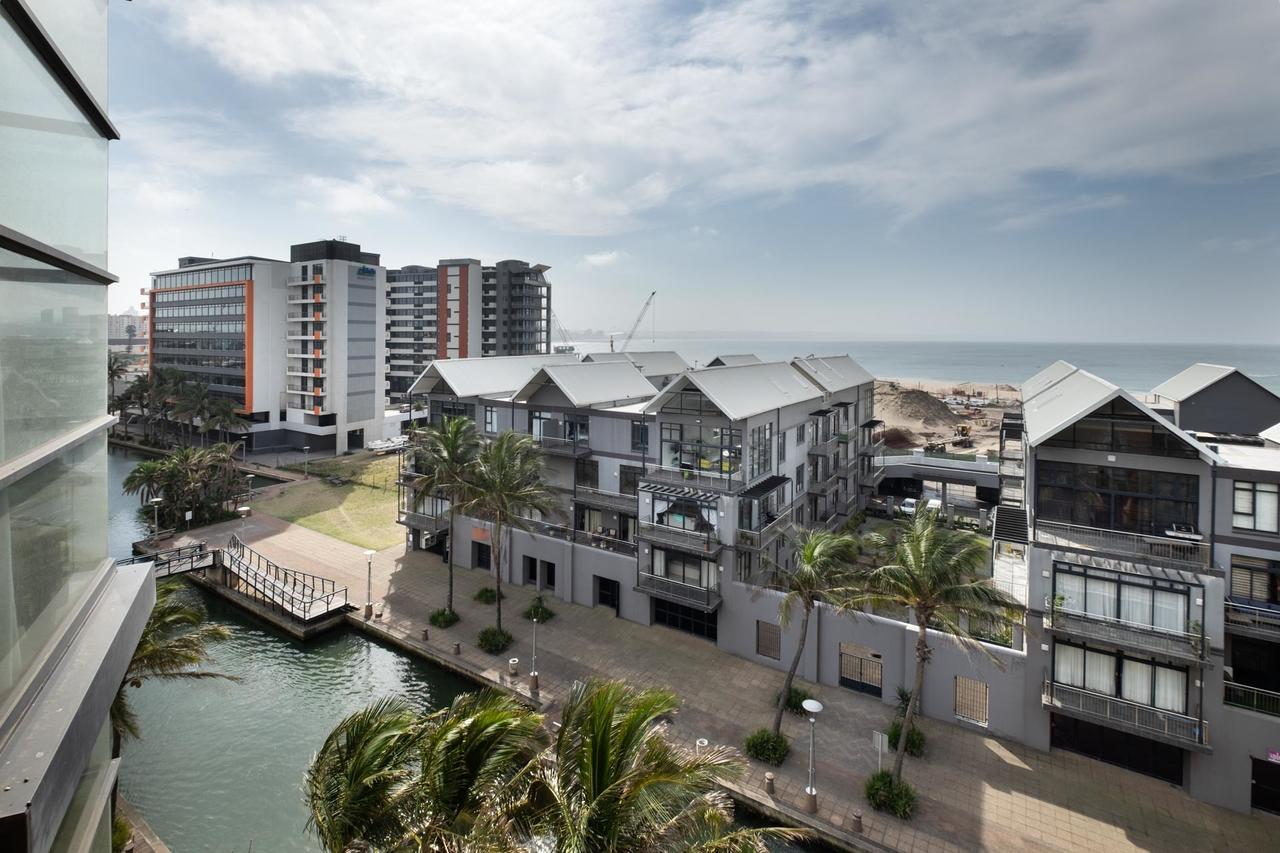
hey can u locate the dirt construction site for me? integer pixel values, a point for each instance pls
(920, 413)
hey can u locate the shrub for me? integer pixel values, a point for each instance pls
(885, 794)
(494, 640)
(486, 595)
(443, 618)
(904, 699)
(764, 745)
(539, 610)
(795, 699)
(915, 739)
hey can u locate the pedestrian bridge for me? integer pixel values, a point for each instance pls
(976, 470)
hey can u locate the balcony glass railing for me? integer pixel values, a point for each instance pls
(759, 538)
(1178, 553)
(682, 475)
(673, 590)
(1252, 698)
(705, 542)
(555, 444)
(1142, 719)
(614, 500)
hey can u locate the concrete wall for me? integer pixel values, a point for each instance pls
(1234, 403)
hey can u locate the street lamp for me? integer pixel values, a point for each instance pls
(368, 600)
(813, 707)
(249, 479)
(155, 516)
(306, 454)
(533, 663)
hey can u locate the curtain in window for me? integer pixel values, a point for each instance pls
(1068, 665)
(1266, 510)
(1071, 588)
(1170, 611)
(1135, 604)
(659, 563)
(1100, 673)
(1101, 598)
(1171, 690)
(1242, 506)
(1135, 682)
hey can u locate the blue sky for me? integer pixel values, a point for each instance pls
(938, 171)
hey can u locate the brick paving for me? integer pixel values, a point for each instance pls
(976, 792)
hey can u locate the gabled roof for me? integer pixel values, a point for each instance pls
(746, 390)
(472, 377)
(832, 373)
(654, 363)
(1271, 434)
(1077, 393)
(733, 360)
(591, 383)
(1046, 378)
(1192, 381)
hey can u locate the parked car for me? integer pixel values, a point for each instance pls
(908, 506)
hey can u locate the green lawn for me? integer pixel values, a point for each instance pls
(377, 472)
(353, 513)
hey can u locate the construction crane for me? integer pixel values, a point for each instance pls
(626, 342)
(567, 346)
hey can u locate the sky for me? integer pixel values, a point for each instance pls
(1055, 171)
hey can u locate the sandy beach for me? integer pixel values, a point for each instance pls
(916, 413)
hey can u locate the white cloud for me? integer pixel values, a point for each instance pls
(1036, 216)
(586, 118)
(602, 259)
(343, 198)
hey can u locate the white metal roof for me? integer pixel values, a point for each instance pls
(1271, 434)
(1077, 393)
(654, 363)
(591, 383)
(471, 377)
(833, 373)
(1191, 381)
(1046, 378)
(734, 360)
(1250, 456)
(745, 390)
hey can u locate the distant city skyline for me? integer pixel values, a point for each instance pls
(1074, 172)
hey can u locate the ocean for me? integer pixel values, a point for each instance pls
(1136, 367)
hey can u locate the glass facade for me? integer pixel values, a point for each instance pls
(1128, 499)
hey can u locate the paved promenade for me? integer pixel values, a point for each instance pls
(977, 792)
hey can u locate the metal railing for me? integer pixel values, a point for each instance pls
(570, 446)
(296, 594)
(757, 539)
(1142, 719)
(727, 481)
(306, 279)
(1180, 644)
(702, 542)
(1259, 620)
(678, 591)
(1174, 552)
(422, 521)
(174, 561)
(614, 500)
(1252, 698)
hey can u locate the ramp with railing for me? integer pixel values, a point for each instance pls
(299, 596)
(175, 561)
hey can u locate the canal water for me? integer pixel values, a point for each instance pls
(219, 765)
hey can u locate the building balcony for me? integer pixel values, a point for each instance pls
(314, 317)
(821, 484)
(580, 446)
(873, 477)
(1134, 547)
(758, 539)
(703, 598)
(1262, 623)
(308, 336)
(299, 372)
(689, 477)
(306, 392)
(872, 448)
(1176, 645)
(420, 521)
(823, 446)
(610, 500)
(1142, 720)
(304, 353)
(1251, 698)
(311, 299)
(306, 279)
(704, 543)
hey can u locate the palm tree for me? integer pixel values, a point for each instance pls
(117, 365)
(935, 573)
(444, 457)
(146, 480)
(174, 643)
(824, 562)
(446, 780)
(223, 416)
(614, 782)
(191, 404)
(506, 489)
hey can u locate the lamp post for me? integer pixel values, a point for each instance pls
(249, 479)
(813, 707)
(533, 662)
(155, 516)
(368, 600)
(306, 454)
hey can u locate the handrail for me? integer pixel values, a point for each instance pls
(725, 482)
(1146, 718)
(703, 595)
(292, 592)
(1252, 698)
(1114, 629)
(1258, 618)
(757, 538)
(679, 536)
(1133, 545)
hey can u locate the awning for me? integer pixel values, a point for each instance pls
(874, 422)
(842, 404)
(679, 492)
(821, 412)
(766, 486)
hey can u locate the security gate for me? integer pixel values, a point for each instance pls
(859, 671)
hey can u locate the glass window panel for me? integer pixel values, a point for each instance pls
(1267, 508)
(1170, 611)
(1100, 673)
(1135, 682)
(53, 352)
(1135, 604)
(1068, 665)
(53, 185)
(1171, 690)
(1071, 588)
(52, 539)
(1100, 598)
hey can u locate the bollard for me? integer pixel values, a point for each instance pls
(457, 648)
(768, 783)
(857, 822)
(513, 666)
(533, 683)
(424, 634)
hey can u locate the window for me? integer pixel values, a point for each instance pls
(1164, 605)
(799, 478)
(761, 450)
(800, 435)
(1121, 428)
(743, 571)
(1115, 674)
(1253, 579)
(587, 473)
(1256, 507)
(639, 436)
(782, 448)
(768, 640)
(490, 418)
(629, 479)
(683, 568)
(1128, 499)
(971, 700)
